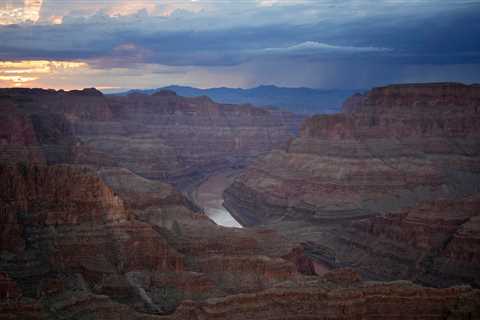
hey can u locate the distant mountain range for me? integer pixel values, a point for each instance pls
(298, 100)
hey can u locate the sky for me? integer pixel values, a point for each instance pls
(118, 44)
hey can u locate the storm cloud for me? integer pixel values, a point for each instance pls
(304, 43)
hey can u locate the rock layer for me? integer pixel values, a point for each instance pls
(327, 299)
(100, 241)
(68, 236)
(163, 136)
(390, 186)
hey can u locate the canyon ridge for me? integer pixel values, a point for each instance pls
(389, 187)
(365, 214)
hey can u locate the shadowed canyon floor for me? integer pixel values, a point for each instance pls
(91, 226)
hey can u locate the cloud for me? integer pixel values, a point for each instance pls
(191, 39)
(19, 73)
(215, 37)
(16, 11)
(314, 46)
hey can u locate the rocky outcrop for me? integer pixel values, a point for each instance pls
(101, 241)
(64, 220)
(73, 245)
(327, 298)
(18, 141)
(189, 136)
(163, 136)
(140, 194)
(106, 228)
(13, 305)
(430, 243)
(389, 187)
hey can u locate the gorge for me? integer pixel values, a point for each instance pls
(389, 187)
(239, 160)
(118, 207)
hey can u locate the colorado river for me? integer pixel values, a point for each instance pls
(209, 196)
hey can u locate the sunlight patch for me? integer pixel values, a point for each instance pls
(19, 73)
(12, 12)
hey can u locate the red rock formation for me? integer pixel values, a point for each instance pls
(163, 136)
(343, 277)
(72, 223)
(102, 242)
(13, 305)
(8, 288)
(352, 103)
(327, 299)
(304, 264)
(18, 141)
(67, 229)
(396, 178)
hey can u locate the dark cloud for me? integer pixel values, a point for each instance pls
(324, 36)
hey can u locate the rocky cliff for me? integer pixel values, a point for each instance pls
(72, 246)
(338, 295)
(389, 187)
(82, 215)
(163, 136)
(84, 236)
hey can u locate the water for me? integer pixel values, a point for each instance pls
(222, 217)
(209, 196)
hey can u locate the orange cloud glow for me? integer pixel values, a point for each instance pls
(12, 12)
(22, 11)
(25, 73)
(131, 7)
(56, 19)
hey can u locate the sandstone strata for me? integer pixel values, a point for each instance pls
(81, 251)
(73, 245)
(390, 187)
(325, 298)
(86, 233)
(162, 136)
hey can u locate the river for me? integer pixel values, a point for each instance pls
(209, 196)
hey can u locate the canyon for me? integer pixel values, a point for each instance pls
(301, 100)
(162, 136)
(107, 207)
(389, 187)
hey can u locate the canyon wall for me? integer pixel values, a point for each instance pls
(74, 246)
(338, 297)
(87, 233)
(84, 235)
(163, 136)
(389, 187)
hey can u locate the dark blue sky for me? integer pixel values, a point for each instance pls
(120, 44)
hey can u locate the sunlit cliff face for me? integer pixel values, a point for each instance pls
(26, 73)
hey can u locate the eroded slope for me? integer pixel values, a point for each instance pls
(390, 187)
